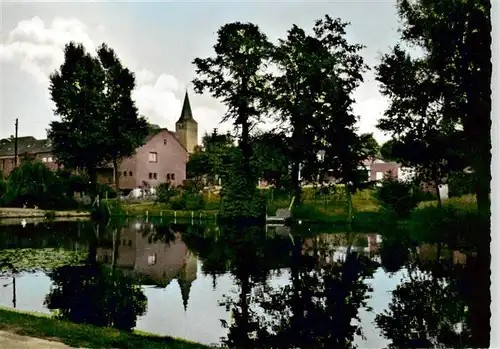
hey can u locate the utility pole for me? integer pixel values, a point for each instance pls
(15, 144)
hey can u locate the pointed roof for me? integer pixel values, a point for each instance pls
(186, 113)
(185, 286)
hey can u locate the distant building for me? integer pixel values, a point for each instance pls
(27, 148)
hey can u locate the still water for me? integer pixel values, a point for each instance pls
(249, 287)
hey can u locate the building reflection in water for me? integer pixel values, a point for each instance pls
(153, 261)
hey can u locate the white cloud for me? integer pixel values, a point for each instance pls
(38, 48)
(370, 111)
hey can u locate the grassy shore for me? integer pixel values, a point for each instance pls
(87, 336)
(13, 212)
(330, 208)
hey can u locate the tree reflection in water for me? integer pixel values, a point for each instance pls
(317, 309)
(442, 302)
(94, 294)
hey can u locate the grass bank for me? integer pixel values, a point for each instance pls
(87, 336)
(316, 207)
(13, 212)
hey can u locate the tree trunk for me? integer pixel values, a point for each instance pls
(116, 174)
(349, 204)
(438, 194)
(296, 183)
(93, 181)
(245, 149)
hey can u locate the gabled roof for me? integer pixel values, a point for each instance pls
(25, 145)
(153, 131)
(186, 113)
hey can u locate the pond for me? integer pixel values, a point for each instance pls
(305, 286)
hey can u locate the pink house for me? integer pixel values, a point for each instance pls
(161, 159)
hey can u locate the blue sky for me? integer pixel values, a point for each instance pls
(158, 41)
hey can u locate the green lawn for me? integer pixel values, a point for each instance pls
(87, 336)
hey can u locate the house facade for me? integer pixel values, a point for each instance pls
(161, 159)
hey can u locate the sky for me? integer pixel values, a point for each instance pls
(158, 41)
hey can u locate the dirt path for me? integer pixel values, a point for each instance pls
(15, 341)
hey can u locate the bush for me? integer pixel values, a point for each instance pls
(398, 196)
(460, 183)
(106, 191)
(165, 192)
(33, 184)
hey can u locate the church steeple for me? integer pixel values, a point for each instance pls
(186, 127)
(186, 113)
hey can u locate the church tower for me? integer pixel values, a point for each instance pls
(186, 127)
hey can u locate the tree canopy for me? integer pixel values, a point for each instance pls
(99, 121)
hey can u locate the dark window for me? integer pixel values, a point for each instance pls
(130, 173)
(155, 175)
(124, 173)
(172, 176)
(150, 175)
(164, 142)
(168, 176)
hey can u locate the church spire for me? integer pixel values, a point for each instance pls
(186, 113)
(185, 286)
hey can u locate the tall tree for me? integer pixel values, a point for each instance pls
(345, 149)
(79, 138)
(455, 37)
(235, 76)
(422, 137)
(294, 96)
(99, 122)
(126, 129)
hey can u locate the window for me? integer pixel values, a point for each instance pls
(379, 176)
(172, 175)
(152, 259)
(44, 159)
(165, 141)
(150, 175)
(155, 175)
(130, 173)
(168, 176)
(153, 157)
(49, 159)
(124, 173)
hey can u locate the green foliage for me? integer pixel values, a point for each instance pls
(397, 196)
(126, 130)
(99, 121)
(93, 294)
(106, 191)
(271, 159)
(165, 192)
(239, 198)
(37, 259)
(455, 82)
(460, 183)
(33, 184)
(386, 151)
(212, 158)
(235, 77)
